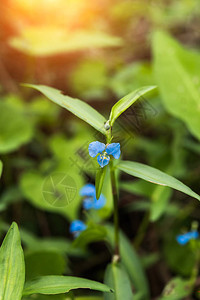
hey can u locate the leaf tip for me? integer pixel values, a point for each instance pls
(14, 225)
(24, 84)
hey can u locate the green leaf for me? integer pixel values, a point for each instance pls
(42, 193)
(177, 73)
(61, 284)
(127, 101)
(155, 176)
(176, 289)
(117, 278)
(1, 167)
(16, 128)
(61, 297)
(37, 40)
(12, 269)
(100, 176)
(47, 297)
(132, 264)
(76, 106)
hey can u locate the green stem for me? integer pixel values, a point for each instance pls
(109, 136)
(116, 218)
(116, 256)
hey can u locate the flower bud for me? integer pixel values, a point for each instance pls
(107, 125)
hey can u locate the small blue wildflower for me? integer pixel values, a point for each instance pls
(76, 227)
(183, 239)
(90, 201)
(104, 152)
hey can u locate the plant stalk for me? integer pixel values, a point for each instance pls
(116, 217)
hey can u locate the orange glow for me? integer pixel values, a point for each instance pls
(66, 13)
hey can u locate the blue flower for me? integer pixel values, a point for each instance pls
(90, 201)
(183, 239)
(104, 152)
(76, 227)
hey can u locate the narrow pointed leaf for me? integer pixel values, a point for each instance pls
(79, 108)
(106, 211)
(1, 167)
(12, 269)
(127, 101)
(100, 176)
(155, 176)
(117, 278)
(51, 285)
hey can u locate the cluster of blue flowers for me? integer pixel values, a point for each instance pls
(183, 239)
(104, 151)
(90, 202)
(88, 191)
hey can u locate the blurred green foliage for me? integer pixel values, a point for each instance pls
(100, 53)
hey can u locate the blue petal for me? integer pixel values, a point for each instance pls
(114, 150)
(194, 234)
(99, 203)
(95, 148)
(88, 190)
(88, 203)
(182, 239)
(103, 160)
(77, 225)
